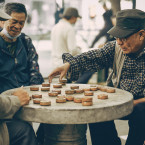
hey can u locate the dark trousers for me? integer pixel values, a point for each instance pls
(84, 77)
(102, 33)
(105, 132)
(136, 135)
(21, 133)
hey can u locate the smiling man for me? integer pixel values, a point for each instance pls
(18, 67)
(15, 25)
(18, 56)
(126, 57)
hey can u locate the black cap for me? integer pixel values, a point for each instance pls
(69, 12)
(128, 21)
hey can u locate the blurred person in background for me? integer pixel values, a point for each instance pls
(63, 36)
(109, 22)
(84, 77)
(58, 13)
(107, 25)
(19, 67)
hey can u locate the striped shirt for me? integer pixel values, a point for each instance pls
(132, 75)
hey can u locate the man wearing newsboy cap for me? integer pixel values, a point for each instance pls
(126, 57)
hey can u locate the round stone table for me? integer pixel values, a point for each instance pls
(66, 123)
(118, 104)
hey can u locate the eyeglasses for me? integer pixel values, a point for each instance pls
(121, 39)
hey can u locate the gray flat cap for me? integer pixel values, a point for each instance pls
(71, 12)
(128, 21)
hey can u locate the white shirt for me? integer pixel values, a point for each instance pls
(63, 41)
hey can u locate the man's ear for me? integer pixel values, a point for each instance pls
(142, 34)
(2, 24)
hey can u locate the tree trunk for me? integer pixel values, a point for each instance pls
(134, 4)
(115, 4)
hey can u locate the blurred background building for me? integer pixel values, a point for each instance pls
(43, 14)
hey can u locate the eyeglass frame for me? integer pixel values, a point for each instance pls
(121, 39)
(125, 38)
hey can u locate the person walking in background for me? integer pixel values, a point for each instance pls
(109, 22)
(58, 13)
(126, 57)
(63, 36)
(103, 32)
(107, 25)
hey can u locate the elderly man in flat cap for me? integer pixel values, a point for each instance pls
(14, 132)
(126, 57)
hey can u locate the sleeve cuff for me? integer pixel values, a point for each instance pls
(73, 73)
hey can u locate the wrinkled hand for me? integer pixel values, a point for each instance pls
(59, 71)
(22, 95)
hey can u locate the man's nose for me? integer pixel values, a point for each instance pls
(18, 26)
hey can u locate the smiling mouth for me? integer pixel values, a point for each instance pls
(15, 31)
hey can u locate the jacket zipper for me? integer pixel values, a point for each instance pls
(16, 62)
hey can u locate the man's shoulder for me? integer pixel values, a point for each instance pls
(26, 40)
(111, 44)
(62, 25)
(24, 36)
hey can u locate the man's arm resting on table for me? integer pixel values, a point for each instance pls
(141, 100)
(9, 105)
